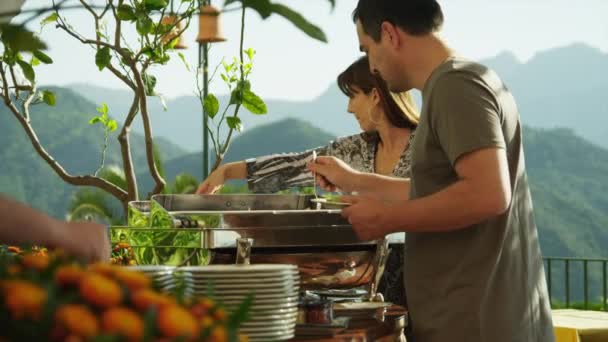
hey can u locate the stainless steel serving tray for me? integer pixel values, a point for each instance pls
(271, 220)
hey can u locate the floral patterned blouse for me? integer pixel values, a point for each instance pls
(288, 170)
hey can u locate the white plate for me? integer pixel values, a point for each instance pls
(247, 286)
(287, 312)
(274, 339)
(269, 336)
(278, 268)
(239, 275)
(284, 307)
(270, 329)
(256, 278)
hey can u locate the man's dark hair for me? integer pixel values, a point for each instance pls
(416, 17)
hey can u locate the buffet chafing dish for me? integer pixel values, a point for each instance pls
(286, 229)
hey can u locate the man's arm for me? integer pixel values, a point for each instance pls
(483, 191)
(382, 187)
(20, 224)
(475, 197)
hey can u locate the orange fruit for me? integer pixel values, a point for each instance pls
(14, 249)
(219, 314)
(103, 269)
(124, 322)
(78, 320)
(100, 291)
(35, 261)
(13, 269)
(147, 298)
(174, 321)
(24, 299)
(133, 280)
(206, 322)
(218, 334)
(69, 275)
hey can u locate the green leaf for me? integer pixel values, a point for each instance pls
(299, 21)
(28, 71)
(245, 84)
(112, 125)
(250, 53)
(95, 120)
(254, 103)
(236, 97)
(49, 97)
(126, 13)
(163, 102)
(263, 7)
(149, 84)
(144, 25)
(211, 105)
(18, 38)
(181, 56)
(235, 123)
(44, 58)
(103, 110)
(152, 5)
(103, 58)
(35, 61)
(50, 19)
(241, 314)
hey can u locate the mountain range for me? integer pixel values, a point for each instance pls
(561, 87)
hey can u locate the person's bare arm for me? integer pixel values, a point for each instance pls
(475, 197)
(235, 170)
(20, 224)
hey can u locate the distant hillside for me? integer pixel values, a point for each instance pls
(288, 135)
(66, 134)
(561, 87)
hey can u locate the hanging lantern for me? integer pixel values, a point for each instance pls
(209, 25)
(172, 19)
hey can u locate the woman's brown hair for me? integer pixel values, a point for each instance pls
(399, 108)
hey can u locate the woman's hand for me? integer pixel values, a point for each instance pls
(333, 174)
(214, 182)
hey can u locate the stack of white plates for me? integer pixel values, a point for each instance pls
(275, 295)
(163, 276)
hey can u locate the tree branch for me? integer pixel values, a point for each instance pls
(54, 164)
(143, 107)
(125, 148)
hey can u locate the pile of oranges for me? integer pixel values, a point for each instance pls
(50, 297)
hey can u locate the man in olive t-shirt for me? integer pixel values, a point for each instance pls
(473, 267)
(484, 282)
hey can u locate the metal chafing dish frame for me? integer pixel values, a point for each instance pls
(281, 229)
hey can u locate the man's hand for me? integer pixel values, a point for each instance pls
(333, 173)
(87, 240)
(370, 217)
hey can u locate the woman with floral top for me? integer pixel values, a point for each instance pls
(388, 121)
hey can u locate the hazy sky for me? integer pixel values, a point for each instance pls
(289, 65)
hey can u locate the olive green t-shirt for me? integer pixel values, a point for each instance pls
(485, 282)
